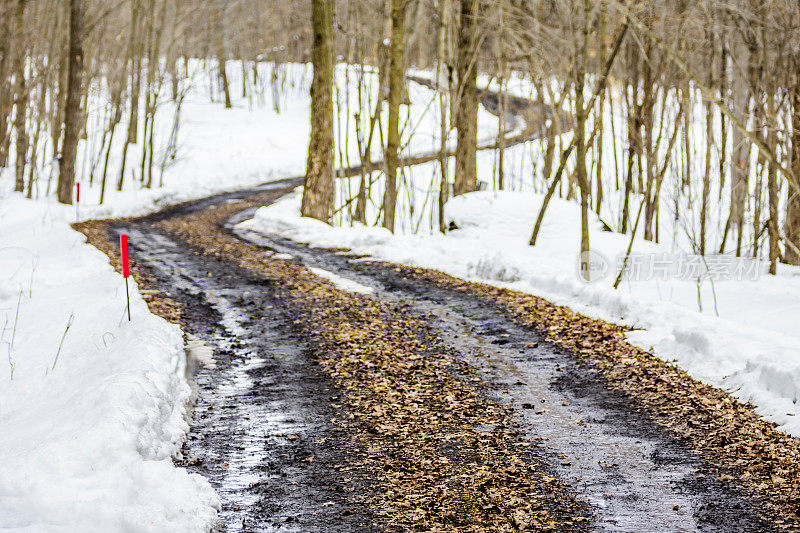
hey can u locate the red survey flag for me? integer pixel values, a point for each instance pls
(123, 245)
(78, 191)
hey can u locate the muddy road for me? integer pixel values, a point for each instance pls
(631, 473)
(341, 394)
(336, 393)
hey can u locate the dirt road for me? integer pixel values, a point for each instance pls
(344, 394)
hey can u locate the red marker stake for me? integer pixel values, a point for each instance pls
(123, 246)
(77, 200)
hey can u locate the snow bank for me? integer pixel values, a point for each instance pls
(87, 432)
(744, 340)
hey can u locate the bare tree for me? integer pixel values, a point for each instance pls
(222, 59)
(318, 187)
(443, 86)
(66, 168)
(581, 174)
(20, 97)
(466, 115)
(6, 46)
(396, 82)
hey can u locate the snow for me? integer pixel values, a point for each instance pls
(86, 440)
(218, 149)
(752, 348)
(343, 283)
(87, 432)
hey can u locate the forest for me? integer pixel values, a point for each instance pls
(675, 110)
(399, 265)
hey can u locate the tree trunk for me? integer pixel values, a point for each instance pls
(396, 78)
(649, 151)
(441, 68)
(792, 227)
(5, 85)
(318, 187)
(66, 167)
(739, 165)
(774, 193)
(20, 98)
(600, 114)
(136, 68)
(148, 83)
(706, 177)
(501, 138)
(466, 115)
(581, 174)
(634, 131)
(723, 128)
(57, 97)
(221, 54)
(135, 54)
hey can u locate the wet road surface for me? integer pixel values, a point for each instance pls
(634, 475)
(262, 432)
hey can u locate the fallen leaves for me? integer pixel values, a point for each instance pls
(740, 445)
(412, 408)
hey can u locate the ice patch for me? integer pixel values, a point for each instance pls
(343, 283)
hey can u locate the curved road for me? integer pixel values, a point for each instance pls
(271, 428)
(340, 394)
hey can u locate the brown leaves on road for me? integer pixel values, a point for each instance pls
(442, 457)
(437, 455)
(744, 448)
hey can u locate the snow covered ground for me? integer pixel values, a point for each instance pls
(91, 416)
(218, 149)
(86, 439)
(92, 407)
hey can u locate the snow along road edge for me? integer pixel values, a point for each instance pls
(94, 412)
